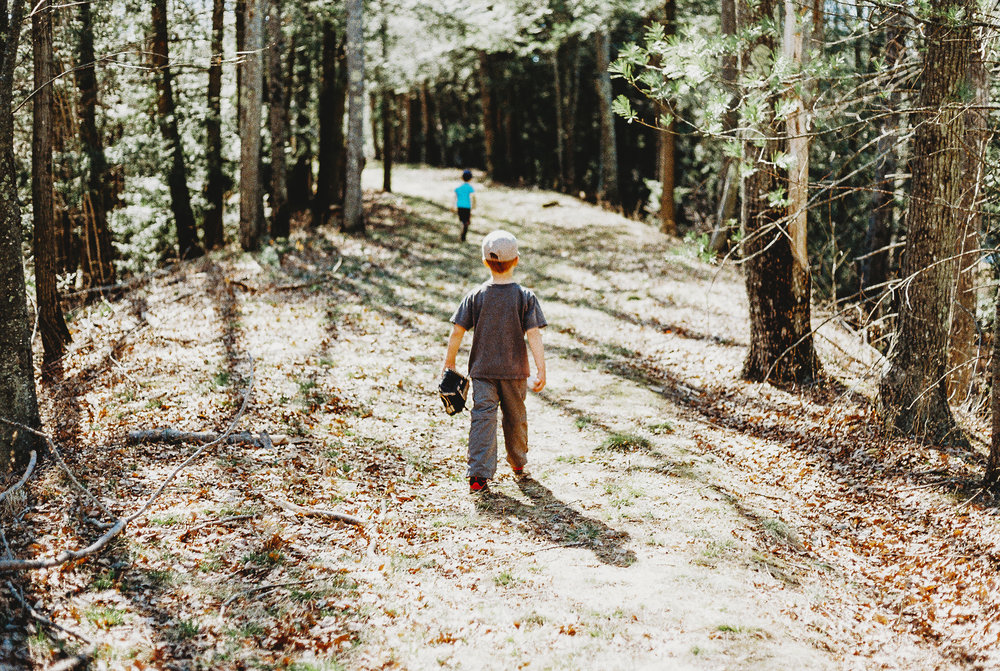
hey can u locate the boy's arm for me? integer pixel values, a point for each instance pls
(472, 200)
(534, 337)
(454, 342)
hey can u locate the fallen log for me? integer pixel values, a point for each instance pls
(175, 437)
(315, 512)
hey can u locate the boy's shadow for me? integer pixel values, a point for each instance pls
(553, 520)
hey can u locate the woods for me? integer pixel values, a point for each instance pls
(215, 181)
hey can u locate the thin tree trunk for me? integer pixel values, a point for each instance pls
(875, 265)
(241, 41)
(300, 178)
(912, 395)
(251, 99)
(180, 197)
(373, 116)
(332, 98)
(17, 377)
(668, 142)
(97, 260)
(797, 132)
(489, 113)
(388, 142)
(725, 211)
(560, 124)
(51, 323)
(278, 117)
(215, 184)
(425, 124)
(572, 108)
(354, 221)
(607, 185)
(962, 353)
(781, 344)
(992, 477)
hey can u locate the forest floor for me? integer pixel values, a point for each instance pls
(674, 517)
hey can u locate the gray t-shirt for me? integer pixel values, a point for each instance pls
(499, 315)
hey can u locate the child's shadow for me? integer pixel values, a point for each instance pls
(551, 519)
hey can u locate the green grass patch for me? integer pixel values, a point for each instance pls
(505, 579)
(625, 442)
(105, 617)
(661, 428)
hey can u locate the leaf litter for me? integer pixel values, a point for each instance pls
(744, 526)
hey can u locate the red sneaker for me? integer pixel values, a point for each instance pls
(477, 484)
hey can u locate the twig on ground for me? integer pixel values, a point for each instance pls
(42, 619)
(224, 520)
(257, 590)
(24, 478)
(315, 512)
(173, 436)
(556, 547)
(121, 523)
(971, 499)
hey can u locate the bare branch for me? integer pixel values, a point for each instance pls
(24, 478)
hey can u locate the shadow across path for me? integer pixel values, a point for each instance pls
(549, 518)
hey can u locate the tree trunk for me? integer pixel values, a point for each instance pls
(300, 178)
(560, 124)
(912, 396)
(781, 344)
(373, 116)
(215, 184)
(875, 265)
(278, 117)
(354, 221)
(388, 142)
(992, 478)
(51, 323)
(797, 132)
(725, 211)
(570, 117)
(96, 262)
(241, 41)
(489, 113)
(332, 98)
(668, 141)
(607, 185)
(962, 354)
(251, 99)
(180, 197)
(18, 402)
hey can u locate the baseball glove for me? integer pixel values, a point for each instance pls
(454, 389)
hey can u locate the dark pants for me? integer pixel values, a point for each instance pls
(464, 216)
(487, 396)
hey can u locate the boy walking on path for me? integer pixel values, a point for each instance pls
(465, 200)
(502, 315)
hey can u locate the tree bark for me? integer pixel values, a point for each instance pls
(241, 41)
(725, 211)
(781, 344)
(51, 323)
(962, 355)
(278, 117)
(668, 141)
(560, 124)
(354, 221)
(300, 178)
(607, 185)
(215, 184)
(912, 396)
(180, 197)
(992, 477)
(875, 265)
(797, 132)
(332, 99)
(97, 259)
(489, 113)
(251, 99)
(18, 402)
(388, 142)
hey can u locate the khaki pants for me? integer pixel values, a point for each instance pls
(487, 395)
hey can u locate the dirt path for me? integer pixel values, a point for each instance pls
(675, 517)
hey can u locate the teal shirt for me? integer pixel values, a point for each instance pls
(463, 195)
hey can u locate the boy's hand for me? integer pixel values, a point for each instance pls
(539, 382)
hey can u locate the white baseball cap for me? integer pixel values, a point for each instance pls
(499, 245)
